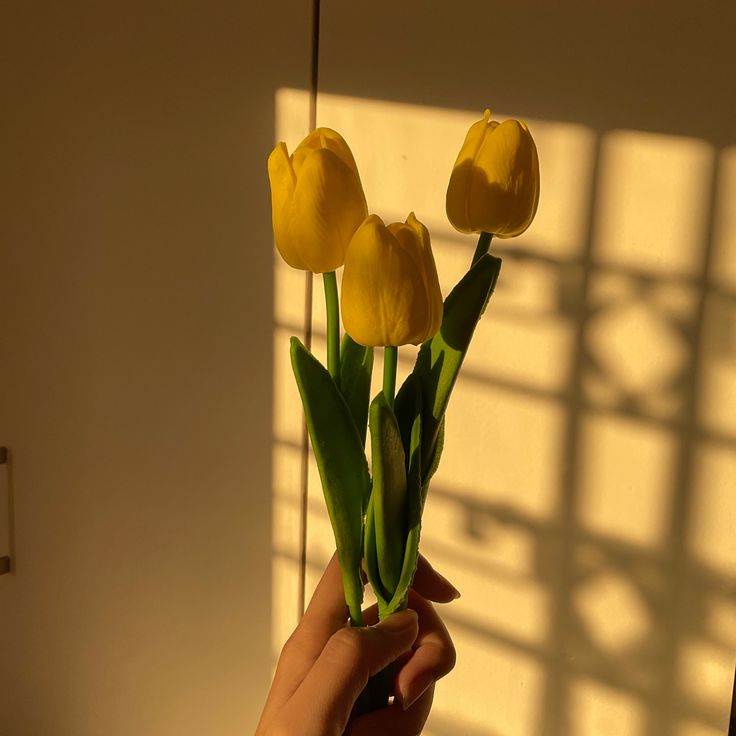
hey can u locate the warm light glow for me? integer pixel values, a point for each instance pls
(603, 711)
(651, 210)
(626, 476)
(507, 458)
(613, 612)
(636, 347)
(713, 529)
(496, 689)
(555, 510)
(706, 674)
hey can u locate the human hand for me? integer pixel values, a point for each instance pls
(325, 664)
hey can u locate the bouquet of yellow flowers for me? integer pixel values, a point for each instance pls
(390, 297)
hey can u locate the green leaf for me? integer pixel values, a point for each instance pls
(371, 558)
(341, 462)
(415, 502)
(389, 492)
(356, 366)
(440, 359)
(434, 462)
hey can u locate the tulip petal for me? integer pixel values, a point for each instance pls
(524, 187)
(428, 270)
(323, 138)
(311, 143)
(390, 292)
(458, 190)
(283, 181)
(505, 182)
(378, 287)
(333, 141)
(327, 208)
(368, 261)
(413, 237)
(494, 186)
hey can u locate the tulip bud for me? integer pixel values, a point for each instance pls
(494, 186)
(390, 290)
(317, 201)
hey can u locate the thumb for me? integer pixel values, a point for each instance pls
(342, 670)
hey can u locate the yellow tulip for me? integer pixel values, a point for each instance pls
(390, 290)
(494, 186)
(317, 201)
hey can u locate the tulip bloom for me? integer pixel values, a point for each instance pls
(317, 201)
(494, 186)
(390, 290)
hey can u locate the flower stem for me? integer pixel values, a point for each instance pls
(390, 360)
(484, 243)
(333, 325)
(356, 614)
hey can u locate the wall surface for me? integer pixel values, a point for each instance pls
(136, 370)
(586, 502)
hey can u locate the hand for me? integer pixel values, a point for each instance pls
(325, 664)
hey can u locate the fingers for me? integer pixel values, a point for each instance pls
(433, 657)
(393, 720)
(324, 665)
(327, 612)
(431, 585)
(349, 658)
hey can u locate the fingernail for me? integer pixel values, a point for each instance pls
(455, 591)
(415, 690)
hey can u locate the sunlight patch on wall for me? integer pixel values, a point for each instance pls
(706, 674)
(613, 612)
(506, 456)
(626, 477)
(713, 528)
(603, 711)
(636, 342)
(554, 508)
(498, 688)
(651, 210)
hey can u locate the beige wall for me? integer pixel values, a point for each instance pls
(589, 518)
(586, 504)
(136, 370)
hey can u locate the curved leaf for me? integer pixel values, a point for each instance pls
(440, 359)
(341, 462)
(371, 558)
(356, 366)
(389, 491)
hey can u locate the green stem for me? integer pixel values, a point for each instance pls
(390, 361)
(356, 615)
(484, 243)
(353, 587)
(333, 325)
